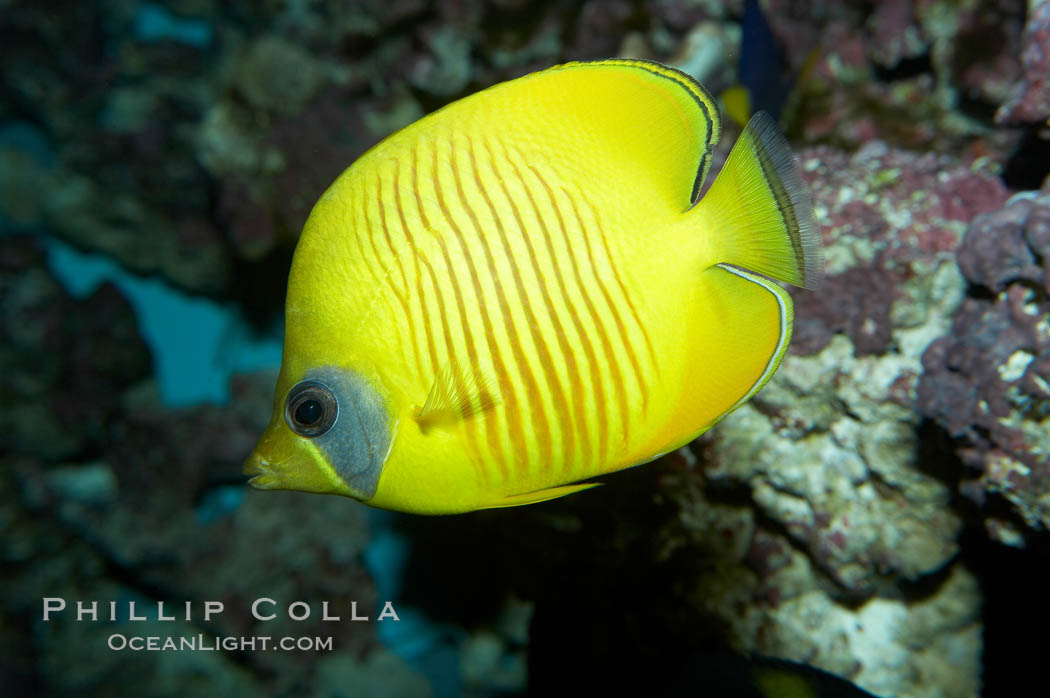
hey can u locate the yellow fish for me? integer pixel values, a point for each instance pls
(523, 290)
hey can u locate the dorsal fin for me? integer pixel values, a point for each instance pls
(655, 107)
(651, 128)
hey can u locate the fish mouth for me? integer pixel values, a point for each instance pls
(262, 472)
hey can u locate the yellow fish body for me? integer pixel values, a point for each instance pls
(521, 291)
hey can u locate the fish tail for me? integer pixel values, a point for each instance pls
(759, 210)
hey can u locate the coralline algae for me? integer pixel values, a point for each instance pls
(987, 380)
(1030, 100)
(849, 501)
(818, 523)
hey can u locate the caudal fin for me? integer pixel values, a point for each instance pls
(759, 212)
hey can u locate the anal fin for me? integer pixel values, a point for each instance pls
(516, 500)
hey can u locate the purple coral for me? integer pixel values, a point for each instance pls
(988, 381)
(1030, 101)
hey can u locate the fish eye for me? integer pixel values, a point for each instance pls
(311, 409)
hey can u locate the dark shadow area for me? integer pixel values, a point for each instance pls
(261, 286)
(1029, 164)
(608, 599)
(1013, 580)
(615, 611)
(905, 68)
(1016, 609)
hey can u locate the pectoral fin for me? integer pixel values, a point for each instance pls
(457, 393)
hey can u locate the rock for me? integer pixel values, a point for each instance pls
(380, 674)
(278, 76)
(987, 382)
(846, 501)
(891, 220)
(1030, 101)
(65, 361)
(91, 484)
(995, 251)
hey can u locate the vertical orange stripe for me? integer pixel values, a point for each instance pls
(382, 280)
(577, 390)
(363, 235)
(619, 388)
(588, 349)
(404, 278)
(471, 427)
(506, 391)
(427, 330)
(623, 286)
(535, 406)
(515, 416)
(611, 304)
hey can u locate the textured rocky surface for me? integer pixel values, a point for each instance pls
(916, 73)
(821, 523)
(850, 497)
(1030, 100)
(213, 126)
(776, 599)
(987, 380)
(108, 495)
(65, 362)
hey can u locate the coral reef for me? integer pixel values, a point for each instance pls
(829, 521)
(849, 502)
(66, 362)
(916, 73)
(1030, 100)
(987, 381)
(109, 495)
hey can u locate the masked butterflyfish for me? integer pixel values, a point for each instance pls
(525, 290)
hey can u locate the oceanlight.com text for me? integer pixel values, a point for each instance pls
(207, 643)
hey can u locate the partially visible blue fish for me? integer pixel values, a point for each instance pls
(764, 73)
